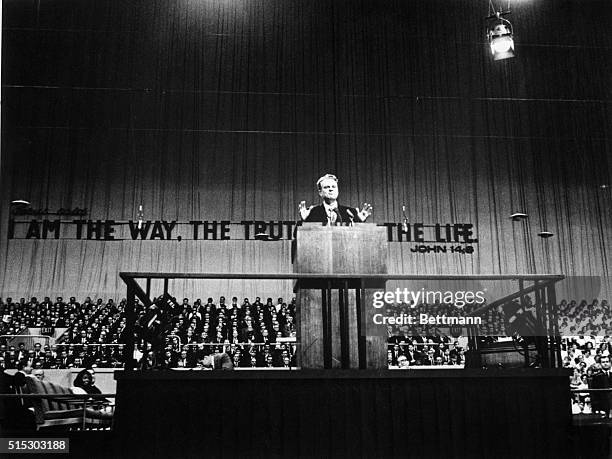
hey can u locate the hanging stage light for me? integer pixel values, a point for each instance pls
(499, 33)
(501, 41)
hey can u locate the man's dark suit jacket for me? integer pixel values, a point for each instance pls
(601, 401)
(318, 214)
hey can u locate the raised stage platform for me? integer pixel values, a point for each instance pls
(337, 413)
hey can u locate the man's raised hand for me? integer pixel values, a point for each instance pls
(304, 211)
(365, 212)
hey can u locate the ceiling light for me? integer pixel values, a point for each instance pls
(499, 34)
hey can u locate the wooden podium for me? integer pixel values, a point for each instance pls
(331, 308)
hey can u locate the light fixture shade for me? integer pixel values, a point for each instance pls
(20, 202)
(501, 42)
(517, 216)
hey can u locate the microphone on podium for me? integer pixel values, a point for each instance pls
(351, 216)
(140, 216)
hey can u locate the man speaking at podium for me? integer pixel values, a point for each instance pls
(330, 212)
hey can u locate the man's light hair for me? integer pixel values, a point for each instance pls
(326, 177)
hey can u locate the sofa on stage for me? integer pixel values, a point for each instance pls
(343, 413)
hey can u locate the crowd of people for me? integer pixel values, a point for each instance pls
(61, 356)
(253, 334)
(95, 333)
(584, 319)
(414, 350)
(258, 334)
(88, 322)
(588, 357)
(433, 345)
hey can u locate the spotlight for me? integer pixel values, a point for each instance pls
(545, 234)
(20, 202)
(501, 42)
(500, 36)
(518, 216)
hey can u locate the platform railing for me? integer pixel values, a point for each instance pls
(543, 288)
(28, 340)
(545, 336)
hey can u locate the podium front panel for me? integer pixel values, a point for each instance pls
(329, 250)
(359, 249)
